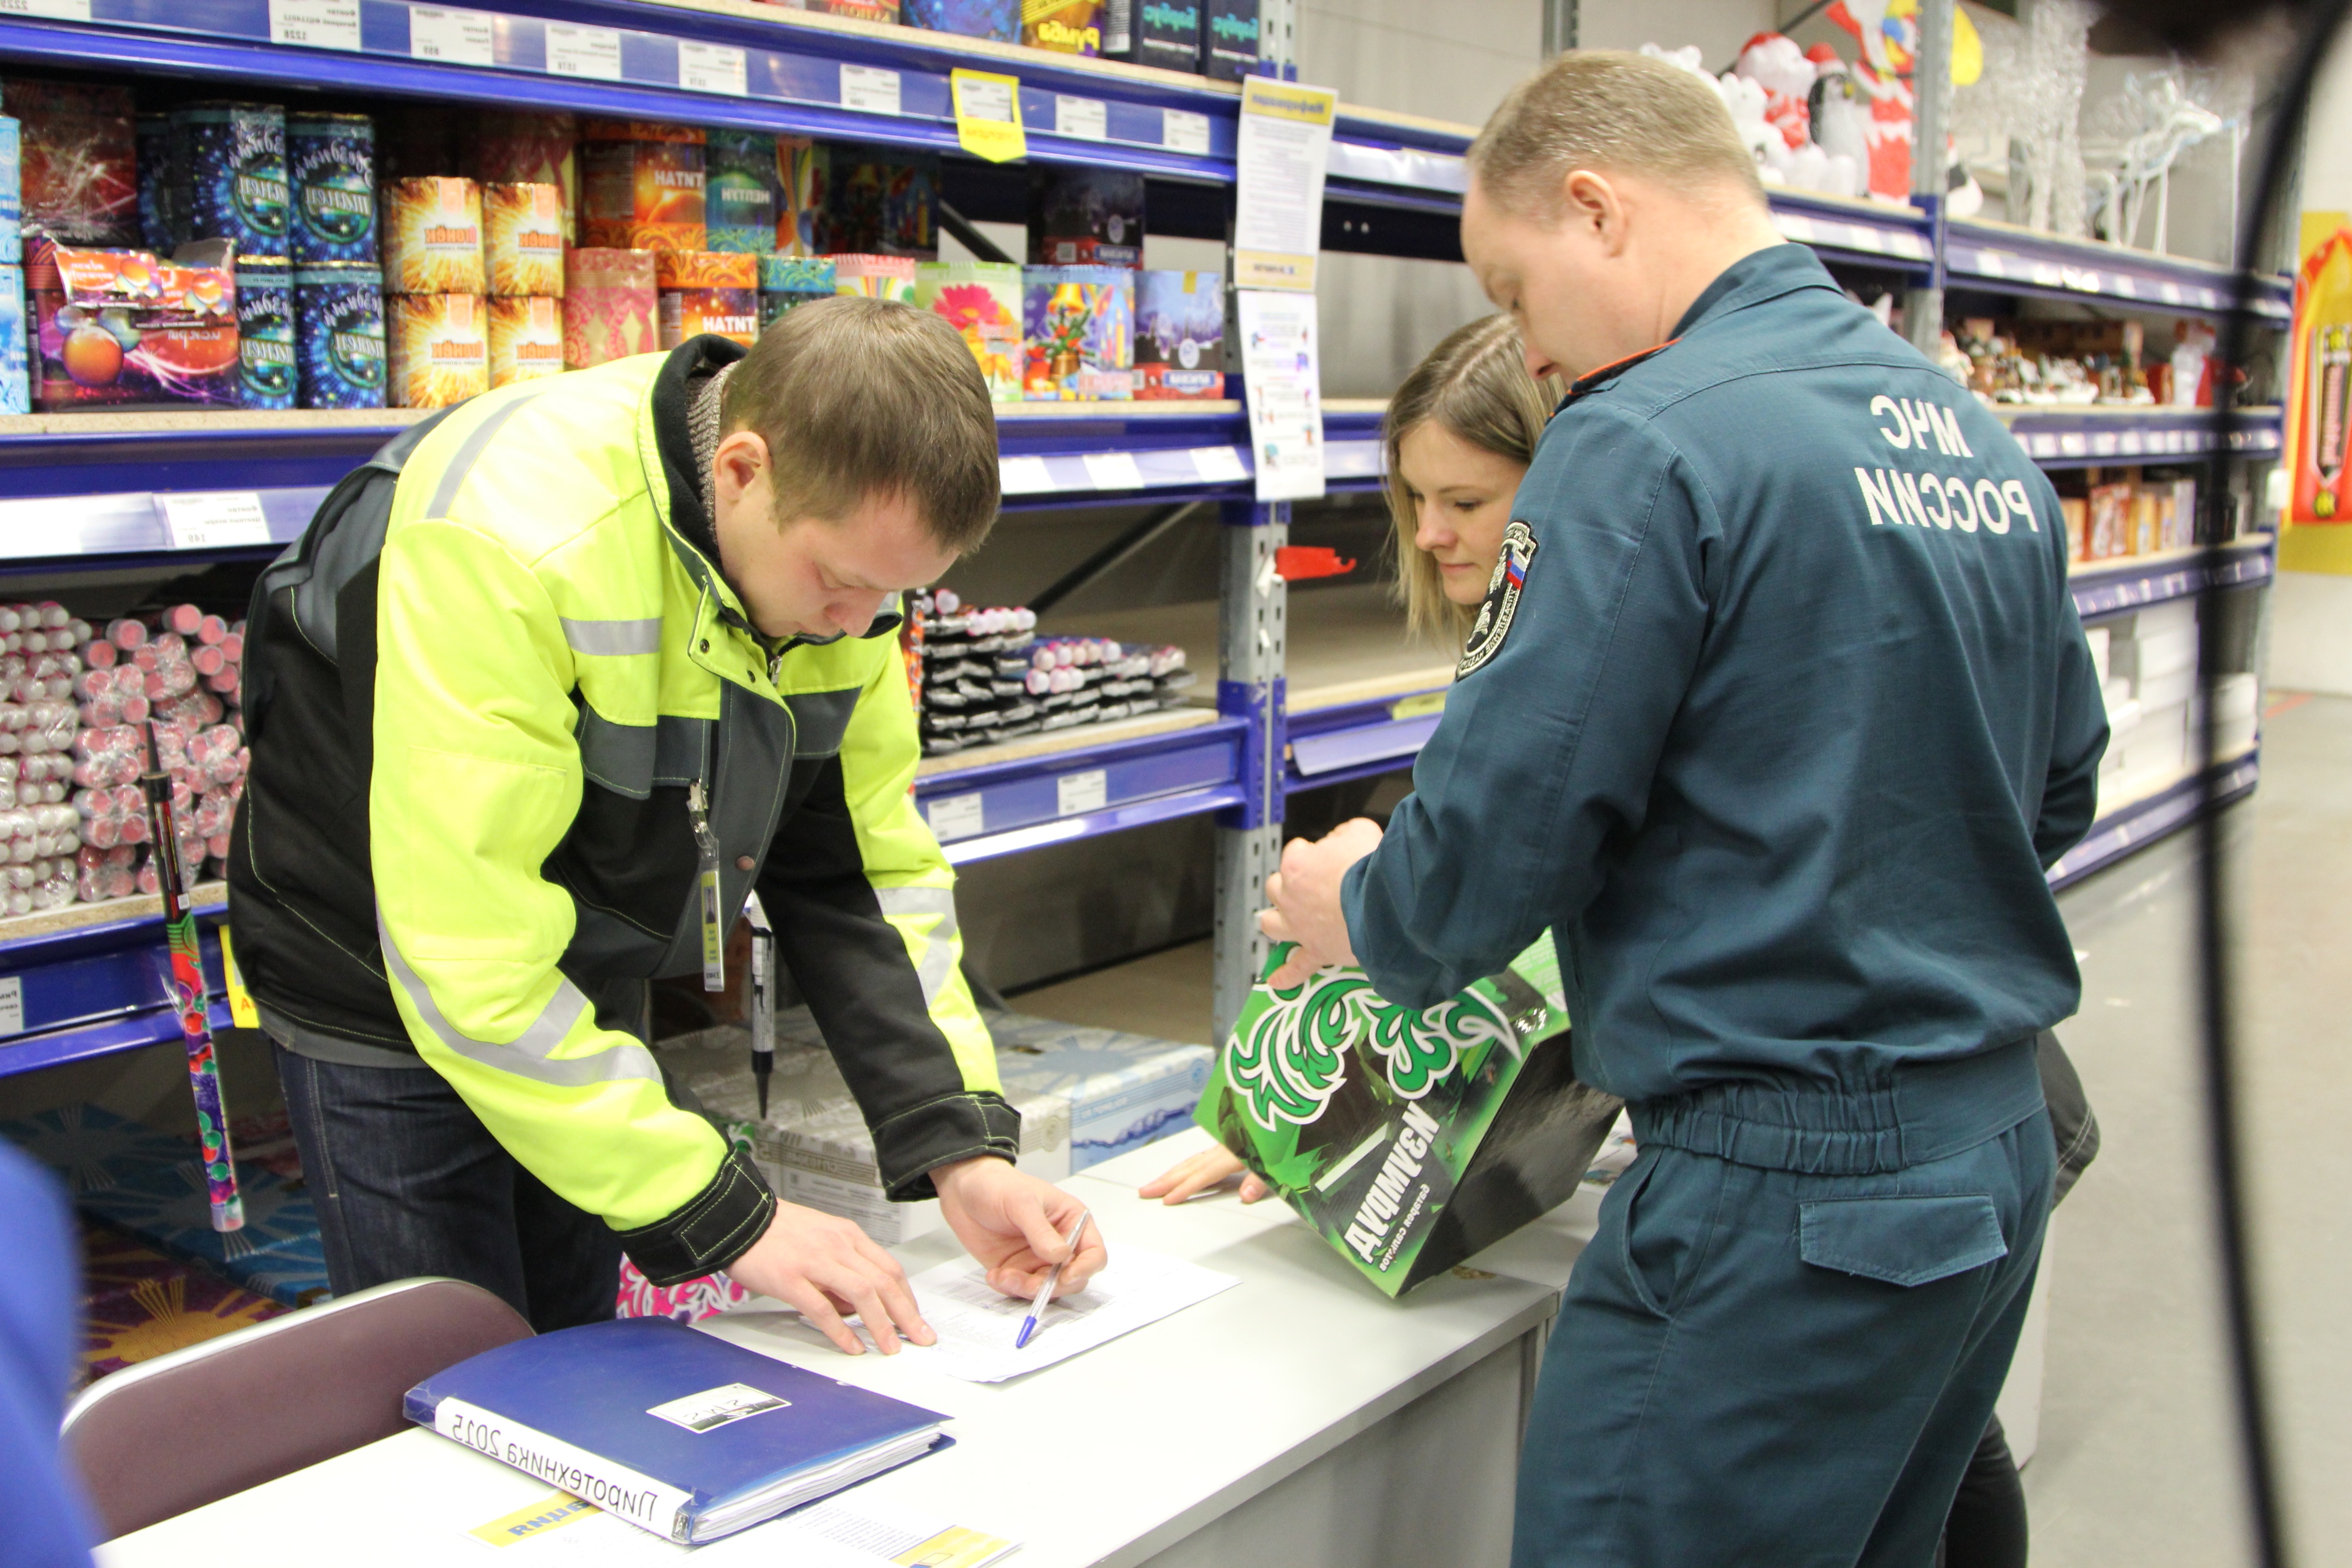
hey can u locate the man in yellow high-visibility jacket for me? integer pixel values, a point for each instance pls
(526, 673)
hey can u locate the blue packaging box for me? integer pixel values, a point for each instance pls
(1124, 1089)
(15, 349)
(11, 184)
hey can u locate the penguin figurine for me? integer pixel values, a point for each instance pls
(1839, 114)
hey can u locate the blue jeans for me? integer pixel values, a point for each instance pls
(1755, 1366)
(408, 1180)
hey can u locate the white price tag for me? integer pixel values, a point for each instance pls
(321, 23)
(1860, 238)
(54, 10)
(983, 96)
(870, 88)
(459, 38)
(209, 520)
(2170, 291)
(1181, 131)
(954, 816)
(1086, 119)
(1988, 262)
(592, 52)
(711, 67)
(1113, 470)
(12, 986)
(1794, 226)
(1077, 794)
(1023, 476)
(1220, 465)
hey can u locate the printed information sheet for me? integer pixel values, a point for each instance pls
(1282, 381)
(1285, 146)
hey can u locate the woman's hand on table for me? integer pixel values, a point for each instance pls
(1198, 1174)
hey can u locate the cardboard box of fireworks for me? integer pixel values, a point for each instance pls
(1116, 1090)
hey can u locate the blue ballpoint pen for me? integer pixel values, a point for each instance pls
(1052, 1276)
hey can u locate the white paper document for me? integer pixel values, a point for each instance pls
(976, 1325)
(1282, 380)
(1285, 147)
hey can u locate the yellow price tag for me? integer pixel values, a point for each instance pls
(1418, 706)
(241, 1011)
(988, 115)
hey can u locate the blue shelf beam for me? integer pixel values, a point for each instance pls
(2144, 821)
(2113, 587)
(2004, 260)
(95, 990)
(998, 808)
(2101, 435)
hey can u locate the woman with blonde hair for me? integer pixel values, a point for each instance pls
(1459, 435)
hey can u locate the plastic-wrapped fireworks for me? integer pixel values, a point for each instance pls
(980, 675)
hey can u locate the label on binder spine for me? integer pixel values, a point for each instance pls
(617, 1488)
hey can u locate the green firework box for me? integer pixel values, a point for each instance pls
(1410, 1140)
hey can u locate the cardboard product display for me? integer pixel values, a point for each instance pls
(643, 186)
(982, 301)
(437, 349)
(740, 190)
(1078, 332)
(526, 340)
(433, 235)
(1409, 1140)
(1180, 335)
(611, 302)
(1123, 1089)
(126, 328)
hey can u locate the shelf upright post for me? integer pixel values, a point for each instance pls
(1931, 101)
(1252, 608)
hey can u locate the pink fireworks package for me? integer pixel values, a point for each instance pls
(610, 308)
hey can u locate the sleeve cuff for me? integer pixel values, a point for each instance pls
(911, 1144)
(712, 1231)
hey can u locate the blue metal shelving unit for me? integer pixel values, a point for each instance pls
(90, 491)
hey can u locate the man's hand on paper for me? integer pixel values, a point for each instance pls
(1197, 1174)
(829, 1270)
(1013, 1225)
(1305, 897)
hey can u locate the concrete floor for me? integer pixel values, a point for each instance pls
(2137, 1463)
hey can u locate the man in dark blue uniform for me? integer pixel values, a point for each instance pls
(1776, 712)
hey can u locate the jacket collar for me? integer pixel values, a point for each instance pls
(685, 512)
(1762, 275)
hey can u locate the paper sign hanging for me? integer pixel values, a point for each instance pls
(1282, 380)
(1284, 148)
(988, 115)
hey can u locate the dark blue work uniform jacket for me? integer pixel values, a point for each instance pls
(1778, 709)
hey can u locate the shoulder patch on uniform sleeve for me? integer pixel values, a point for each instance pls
(1502, 604)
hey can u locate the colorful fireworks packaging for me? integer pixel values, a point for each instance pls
(981, 299)
(740, 190)
(857, 10)
(121, 327)
(264, 334)
(437, 349)
(610, 305)
(339, 347)
(875, 277)
(1409, 1140)
(331, 159)
(880, 202)
(803, 169)
(708, 291)
(519, 148)
(526, 340)
(997, 19)
(786, 281)
(16, 369)
(1071, 27)
(433, 235)
(522, 231)
(1229, 38)
(1163, 33)
(12, 186)
(980, 674)
(232, 158)
(643, 186)
(1089, 217)
(81, 161)
(1079, 326)
(1180, 334)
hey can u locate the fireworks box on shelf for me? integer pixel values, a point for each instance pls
(1163, 33)
(1078, 333)
(997, 19)
(1064, 26)
(875, 277)
(980, 675)
(813, 1145)
(741, 190)
(786, 281)
(1088, 217)
(1180, 335)
(708, 291)
(1123, 1089)
(981, 299)
(611, 306)
(1409, 1140)
(79, 172)
(124, 327)
(880, 201)
(643, 186)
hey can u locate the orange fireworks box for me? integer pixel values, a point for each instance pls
(522, 239)
(526, 340)
(438, 347)
(982, 299)
(122, 328)
(642, 186)
(432, 236)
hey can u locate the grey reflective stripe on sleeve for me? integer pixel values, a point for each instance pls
(609, 638)
(618, 756)
(469, 452)
(527, 1055)
(820, 719)
(938, 954)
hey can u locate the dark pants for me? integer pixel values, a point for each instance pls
(1987, 1527)
(1755, 1366)
(408, 1181)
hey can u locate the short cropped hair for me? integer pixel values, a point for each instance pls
(858, 397)
(1476, 385)
(1607, 110)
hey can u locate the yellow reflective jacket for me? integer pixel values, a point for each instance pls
(478, 689)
